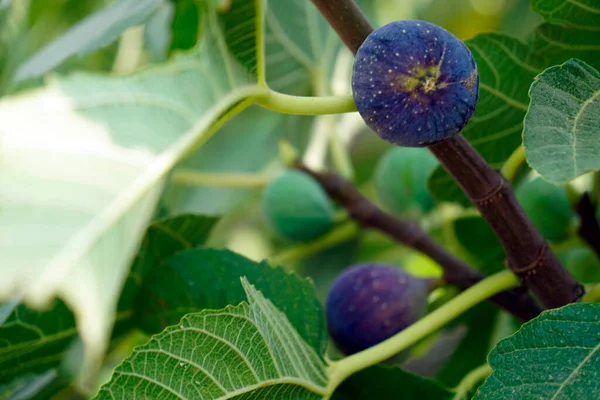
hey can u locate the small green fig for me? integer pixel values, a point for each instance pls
(400, 178)
(296, 207)
(548, 207)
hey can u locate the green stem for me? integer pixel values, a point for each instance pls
(467, 384)
(261, 74)
(340, 216)
(337, 236)
(512, 166)
(593, 296)
(306, 105)
(239, 180)
(340, 370)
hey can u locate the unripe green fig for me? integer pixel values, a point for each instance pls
(296, 207)
(414, 83)
(547, 206)
(400, 178)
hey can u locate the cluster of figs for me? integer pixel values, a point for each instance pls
(415, 84)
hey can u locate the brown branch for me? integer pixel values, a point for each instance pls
(347, 19)
(408, 232)
(528, 254)
(589, 229)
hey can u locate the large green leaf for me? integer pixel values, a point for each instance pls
(247, 351)
(96, 31)
(581, 14)
(506, 69)
(562, 127)
(99, 149)
(198, 279)
(384, 382)
(33, 341)
(554, 356)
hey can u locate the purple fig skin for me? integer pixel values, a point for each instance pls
(414, 83)
(369, 303)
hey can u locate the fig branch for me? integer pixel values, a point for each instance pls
(415, 84)
(409, 233)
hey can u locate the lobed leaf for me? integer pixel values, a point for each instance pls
(561, 134)
(247, 351)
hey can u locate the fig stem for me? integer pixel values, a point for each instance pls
(513, 164)
(410, 233)
(190, 177)
(467, 384)
(305, 105)
(528, 254)
(337, 236)
(338, 371)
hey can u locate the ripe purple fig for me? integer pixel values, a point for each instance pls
(369, 303)
(414, 83)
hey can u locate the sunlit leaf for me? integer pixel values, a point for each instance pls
(99, 150)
